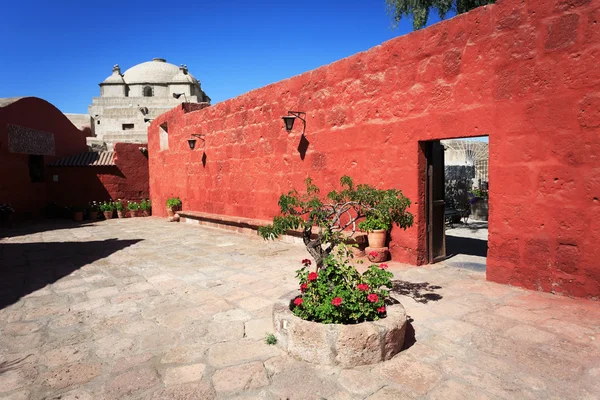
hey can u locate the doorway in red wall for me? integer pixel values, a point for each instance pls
(456, 197)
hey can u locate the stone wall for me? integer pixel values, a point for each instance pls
(523, 72)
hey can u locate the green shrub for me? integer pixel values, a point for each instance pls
(107, 206)
(173, 202)
(133, 206)
(339, 294)
(145, 205)
(119, 206)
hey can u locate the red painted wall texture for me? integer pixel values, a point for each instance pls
(16, 187)
(523, 72)
(127, 180)
(76, 185)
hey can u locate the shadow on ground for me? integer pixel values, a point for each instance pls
(461, 245)
(27, 267)
(28, 228)
(421, 292)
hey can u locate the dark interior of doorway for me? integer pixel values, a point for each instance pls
(456, 198)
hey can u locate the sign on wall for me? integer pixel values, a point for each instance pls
(30, 141)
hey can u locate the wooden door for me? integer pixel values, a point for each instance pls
(435, 202)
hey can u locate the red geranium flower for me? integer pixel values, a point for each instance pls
(336, 301)
(363, 287)
(306, 261)
(298, 301)
(373, 254)
(373, 298)
(383, 266)
(313, 276)
(303, 287)
(381, 309)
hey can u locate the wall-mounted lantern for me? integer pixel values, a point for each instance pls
(192, 142)
(291, 117)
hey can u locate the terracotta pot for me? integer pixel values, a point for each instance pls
(133, 213)
(146, 213)
(377, 238)
(121, 214)
(170, 212)
(77, 216)
(93, 215)
(108, 214)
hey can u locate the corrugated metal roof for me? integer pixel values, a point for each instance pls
(87, 159)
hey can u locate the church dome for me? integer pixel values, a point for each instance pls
(156, 71)
(116, 78)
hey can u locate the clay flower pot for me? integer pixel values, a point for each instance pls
(77, 216)
(108, 214)
(377, 238)
(121, 214)
(146, 213)
(133, 213)
(170, 212)
(93, 215)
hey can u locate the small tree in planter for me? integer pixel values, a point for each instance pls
(335, 292)
(173, 204)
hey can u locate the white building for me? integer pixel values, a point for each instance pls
(129, 101)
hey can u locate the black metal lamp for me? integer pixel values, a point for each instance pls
(291, 117)
(192, 142)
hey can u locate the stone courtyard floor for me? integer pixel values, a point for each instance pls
(144, 309)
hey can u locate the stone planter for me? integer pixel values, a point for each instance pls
(336, 344)
(479, 210)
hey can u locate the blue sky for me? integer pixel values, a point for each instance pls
(61, 50)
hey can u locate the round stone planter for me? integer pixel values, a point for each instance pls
(336, 344)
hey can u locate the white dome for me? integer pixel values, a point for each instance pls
(155, 71)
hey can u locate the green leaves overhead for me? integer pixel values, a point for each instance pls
(419, 9)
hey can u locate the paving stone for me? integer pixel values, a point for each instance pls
(65, 355)
(113, 347)
(224, 331)
(183, 374)
(415, 375)
(132, 382)
(71, 375)
(388, 393)
(103, 292)
(184, 354)
(360, 382)
(257, 329)
(529, 334)
(194, 391)
(20, 395)
(240, 378)
(11, 380)
(230, 353)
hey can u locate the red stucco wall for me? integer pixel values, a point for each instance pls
(127, 180)
(523, 72)
(16, 187)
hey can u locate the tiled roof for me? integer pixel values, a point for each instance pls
(87, 159)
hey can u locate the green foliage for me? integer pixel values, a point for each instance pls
(133, 206)
(94, 206)
(173, 202)
(480, 193)
(119, 206)
(107, 206)
(339, 294)
(145, 205)
(270, 339)
(338, 212)
(419, 9)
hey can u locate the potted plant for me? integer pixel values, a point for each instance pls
(146, 207)
(7, 214)
(334, 297)
(120, 207)
(107, 208)
(376, 228)
(77, 213)
(133, 208)
(93, 208)
(173, 204)
(478, 200)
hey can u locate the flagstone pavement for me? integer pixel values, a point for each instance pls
(145, 309)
